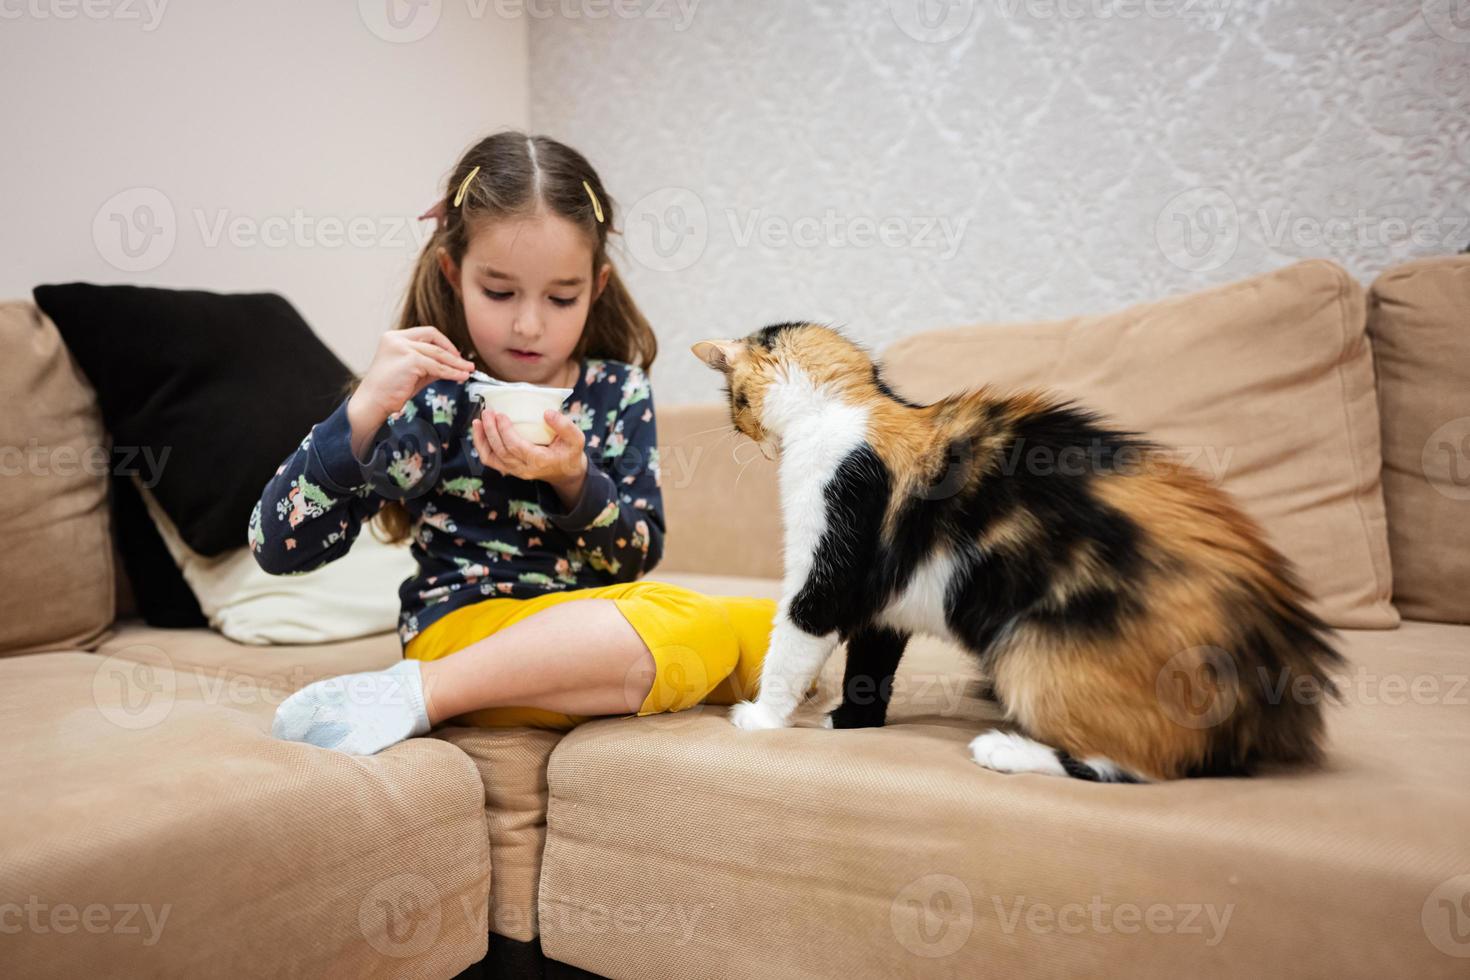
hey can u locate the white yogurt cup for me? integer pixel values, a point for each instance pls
(522, 402)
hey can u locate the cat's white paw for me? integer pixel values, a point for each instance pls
(1009, 752)
(752, 716)
(826, 722)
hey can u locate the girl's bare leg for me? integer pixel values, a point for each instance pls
(576, 657)
(579, 657)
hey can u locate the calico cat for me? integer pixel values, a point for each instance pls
(1097, 580)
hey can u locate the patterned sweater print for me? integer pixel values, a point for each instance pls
(476, 532)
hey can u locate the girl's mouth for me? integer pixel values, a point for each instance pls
(522, 355)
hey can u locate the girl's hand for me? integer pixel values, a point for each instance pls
(562, 463)
(405, 363)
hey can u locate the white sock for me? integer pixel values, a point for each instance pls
(357, 713)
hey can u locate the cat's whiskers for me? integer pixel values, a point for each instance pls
(735, 454)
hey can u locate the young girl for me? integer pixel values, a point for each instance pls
(526, 609)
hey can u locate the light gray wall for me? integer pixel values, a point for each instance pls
(905, 165)
(271, 145)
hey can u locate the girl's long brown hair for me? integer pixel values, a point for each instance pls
(519, 175)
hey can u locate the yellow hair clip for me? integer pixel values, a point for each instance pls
(464, 186)
(596, 204)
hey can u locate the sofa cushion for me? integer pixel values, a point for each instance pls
(1419, 322)
(157, 830)
(720, 496)
(1266, 385)
(269, 672)
(887, 852)
(57, 588)
(512, 764)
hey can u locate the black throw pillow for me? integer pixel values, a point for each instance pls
(162, 596)
(210, 392)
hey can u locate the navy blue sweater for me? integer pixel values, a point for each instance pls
(476, 532)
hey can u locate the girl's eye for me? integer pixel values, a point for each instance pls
(563, 301)
(497, 296)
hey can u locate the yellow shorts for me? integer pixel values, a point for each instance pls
(706, 649)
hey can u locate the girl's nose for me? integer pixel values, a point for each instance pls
(526, 324)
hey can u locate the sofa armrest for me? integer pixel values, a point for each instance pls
(720, 496)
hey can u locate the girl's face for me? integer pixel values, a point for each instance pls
(526, 284)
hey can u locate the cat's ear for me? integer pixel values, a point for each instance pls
(718, 354)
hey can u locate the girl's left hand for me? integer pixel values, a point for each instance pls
(563, 462)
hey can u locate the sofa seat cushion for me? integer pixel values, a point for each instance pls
(130, 791)
(887, 852)
(275, 671)
(512, 764)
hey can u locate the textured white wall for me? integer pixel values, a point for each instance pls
(905, 165)
(269, 145)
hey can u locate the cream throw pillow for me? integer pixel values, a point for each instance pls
(356, 595)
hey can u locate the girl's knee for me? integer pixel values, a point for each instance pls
(695, 647)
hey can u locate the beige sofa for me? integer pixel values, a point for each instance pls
(153, 827)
